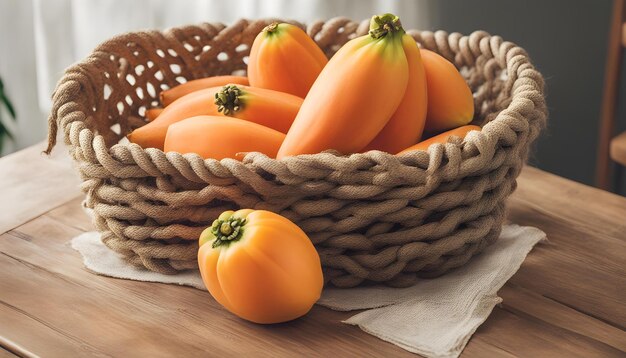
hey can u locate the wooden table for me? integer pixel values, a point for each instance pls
(568, 298)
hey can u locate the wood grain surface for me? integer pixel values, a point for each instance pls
(32, 184)
(6, 354)
(566, 300)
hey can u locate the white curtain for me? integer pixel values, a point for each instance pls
(40, 38)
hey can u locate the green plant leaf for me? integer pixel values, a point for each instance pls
(9, 106)
(4, 130)
(6, 101)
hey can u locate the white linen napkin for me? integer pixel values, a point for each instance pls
(434, 318)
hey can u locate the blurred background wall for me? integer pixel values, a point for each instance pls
(566, 40)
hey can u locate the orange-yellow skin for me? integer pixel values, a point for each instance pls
(174, 93)
(271, 274)
(352, 99)
(284, 58)
(153, 113)
(407, 123)
(221, 137)
(442, 138)
(269, 108)
(450, 100)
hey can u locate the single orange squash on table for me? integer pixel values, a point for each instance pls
(221, 137)
(174, 93)
(260, 266)
(442, 138)
(450, 100)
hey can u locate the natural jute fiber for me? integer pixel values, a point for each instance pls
(373, 217)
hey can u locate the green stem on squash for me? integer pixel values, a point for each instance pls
(228, 99)
(271, 27)
(227, 230)
(382, 25)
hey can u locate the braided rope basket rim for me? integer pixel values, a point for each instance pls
(373, 217)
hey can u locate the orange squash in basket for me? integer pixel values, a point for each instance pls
(221, 137)
(174, 93)
(260, 266)
(153, 113)
(269, 108)
(354, 96)
(450, 100)
(442, 138)
(284, 58)
(407, 123)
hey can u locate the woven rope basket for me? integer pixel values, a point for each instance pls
(373, 217)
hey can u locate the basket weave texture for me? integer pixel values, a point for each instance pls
(373, 217)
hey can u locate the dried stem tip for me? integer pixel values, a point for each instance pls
(227, 100)
(271, 27)
(384, 24)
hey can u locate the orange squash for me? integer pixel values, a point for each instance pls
(407, 123)
(153, 113)
(442, 138)
(273, 109)
(450, 100)
(260, 266)
(354, 96)
(174, 93)
(221, 137)
(284, 58)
